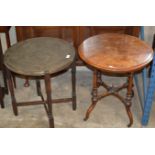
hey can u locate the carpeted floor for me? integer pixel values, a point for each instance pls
(109, 112)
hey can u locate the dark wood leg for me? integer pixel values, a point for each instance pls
(39, 93)
(49, 99)
(5, 80)
(38, 87)
(1, 97)
(8, 39)
(26, 84)
(8, 45)
(14, 81)
(11, 88)
(94, 95)
(99, 78)
(128, 99)
(74, 87)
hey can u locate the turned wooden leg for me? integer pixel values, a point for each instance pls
(73, 87)
(128, 99)
(11, 88)
(94, 95)
(26, 84)
(1, 97)
(49, 100)
(99, 78)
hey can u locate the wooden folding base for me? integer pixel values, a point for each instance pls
(111, 90)
(49, 101)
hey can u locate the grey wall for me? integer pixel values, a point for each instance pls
(149, 31)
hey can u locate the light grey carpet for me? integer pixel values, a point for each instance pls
(108, 113)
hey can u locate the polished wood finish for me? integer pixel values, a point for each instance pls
(129, 96)
(74, 34)
(41, 58)
(114, 53)
(94, 94)
(88, 31)
(84, 32)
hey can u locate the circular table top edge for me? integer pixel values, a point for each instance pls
(114, 70)
(65, 67)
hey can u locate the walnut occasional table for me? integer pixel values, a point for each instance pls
(38, 58)
(114, 54)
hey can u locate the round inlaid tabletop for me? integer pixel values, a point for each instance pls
(39, 56)
(118, 53)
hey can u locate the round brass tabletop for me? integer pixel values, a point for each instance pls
(118, 53)
(39, 56)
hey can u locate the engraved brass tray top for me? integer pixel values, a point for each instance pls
(38, 56)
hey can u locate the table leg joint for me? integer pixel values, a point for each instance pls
(111, 90)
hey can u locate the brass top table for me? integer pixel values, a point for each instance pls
(114, 54)
(41, 57)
